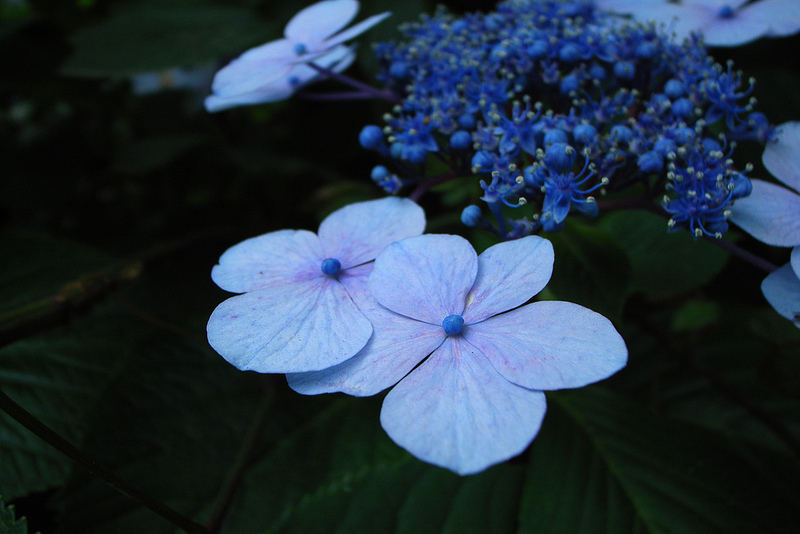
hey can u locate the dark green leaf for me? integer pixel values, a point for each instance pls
(590, 269)
(140, 37)
(663, 262)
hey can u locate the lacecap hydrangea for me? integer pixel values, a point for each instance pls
(553, 104)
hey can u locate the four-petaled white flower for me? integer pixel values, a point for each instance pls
(722, 22)
(470, 374)
(275, 70)
(298, 311)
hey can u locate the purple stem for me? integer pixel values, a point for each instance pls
(376, 93)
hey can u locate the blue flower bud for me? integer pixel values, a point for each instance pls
(379, 173)
(453, 325)
(674, 88)
(683, 108)
(570, 52)
(584, 133)
(396, 150)
(466, 121)
(742, 186)
(559, 157)
(624, 70)
(331, 266)
(471, 215)
(554, 136)
(482, 160)
(460, 140)
(398, 69)
(651, 162)
(621, 134)
(646, 50)
(684, 135)
(569, 83)
(597, 72)
(371, 137)
(665, 146)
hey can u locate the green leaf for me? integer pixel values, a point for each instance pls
(623, 468)
(8, 524)
(590, 269)
(57, 379)
(36, 266)
(663, 262)
(140, 37)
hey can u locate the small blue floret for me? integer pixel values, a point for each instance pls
(453, 325)
(331, 266)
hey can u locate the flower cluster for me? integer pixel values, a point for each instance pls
(555, 103)
(428, 315)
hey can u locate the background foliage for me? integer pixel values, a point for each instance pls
(114, 206)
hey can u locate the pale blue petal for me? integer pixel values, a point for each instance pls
(319, 21)
(795, 260)
(273, 259)
(354, 281)
(782, 290)
(397, 345)
(550, 345)
(509, 274)
(358, 232)
(305, 326)
(253, 70)
(426, 278)
(771, 214)
(782, 16)
(356, 29)
(745, 26)
(457, 412)
(782, 156)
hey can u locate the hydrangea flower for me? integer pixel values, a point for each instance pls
(781, 288)
(275, 70)
(722, 22)
(771, 213)
(297, 311)
(470, 374)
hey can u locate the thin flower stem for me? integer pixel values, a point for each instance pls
(737, 251)
(225, 495)
(423, 187)
(377, 93)
(44, 432)
(355, 95)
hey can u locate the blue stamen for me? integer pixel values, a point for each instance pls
(453, 325)
(331, 266)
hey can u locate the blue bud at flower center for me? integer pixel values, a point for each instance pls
(725, 12)
(300, 49)
(453, 324)
(331, 266)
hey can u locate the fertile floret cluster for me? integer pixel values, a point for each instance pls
(555, 103)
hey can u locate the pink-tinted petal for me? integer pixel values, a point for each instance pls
(354, 281)
(253, 70)
(457, 412)
(771, 214)
(782, 16)
(397, 345)
(273, 259)
(293, 328)
(782, 156)
(782, 290)
(550, 345)
(426, 277)
(319, 21)
(358, 232)
(509, 274)
(356, 29)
